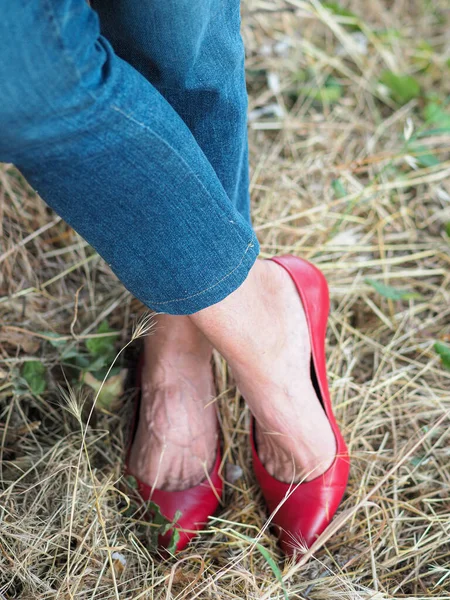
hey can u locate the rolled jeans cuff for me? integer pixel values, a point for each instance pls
(220, 288)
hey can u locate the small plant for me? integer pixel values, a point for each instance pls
(402, 88)
(90, 364)
(34, 373)
(159, 524)
(392, 293)
(163, 526)
(444, 352)
(351, 19)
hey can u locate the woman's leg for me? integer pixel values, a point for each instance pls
(192, 52)
(108, 153)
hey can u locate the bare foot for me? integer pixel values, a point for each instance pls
(176, 440)
(261, 331)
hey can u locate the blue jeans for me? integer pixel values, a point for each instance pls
(129, 119)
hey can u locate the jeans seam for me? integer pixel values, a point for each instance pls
(117, 109)
(250, 245)
(181, 159)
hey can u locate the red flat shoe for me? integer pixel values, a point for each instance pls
(195, 504)
(307, 508)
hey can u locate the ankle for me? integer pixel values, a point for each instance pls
(244, 324)
(178, 337)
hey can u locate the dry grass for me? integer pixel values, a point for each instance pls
(62, 512)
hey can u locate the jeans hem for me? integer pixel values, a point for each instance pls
(215, 292)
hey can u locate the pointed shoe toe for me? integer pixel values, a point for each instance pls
(193, 505)
(302, 511)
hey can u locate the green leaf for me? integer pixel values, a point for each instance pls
(157, 517)
(56, 340)
(69, 353)
(417, 460)
(327, 94)
(403, 88)
(388, 35)
(109, 392)
(422, 57)
(101, 374)
(444, 352)
(33, 371)
(275, 568)
(336, 9)
(103, 346)
(423, 156)
(338, 188)
(435, 114)
(268, 558)
(172, 545)
(132, 482)
(164, 525)
(436, 131)
(392, 293)
(447, 229)
(97, 364)
(81, 361)
(300, 76)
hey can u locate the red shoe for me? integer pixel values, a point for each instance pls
(195, 504)
(309, 506)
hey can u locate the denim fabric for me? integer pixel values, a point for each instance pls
(136, 135)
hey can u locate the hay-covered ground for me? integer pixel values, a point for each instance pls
(350, 138)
